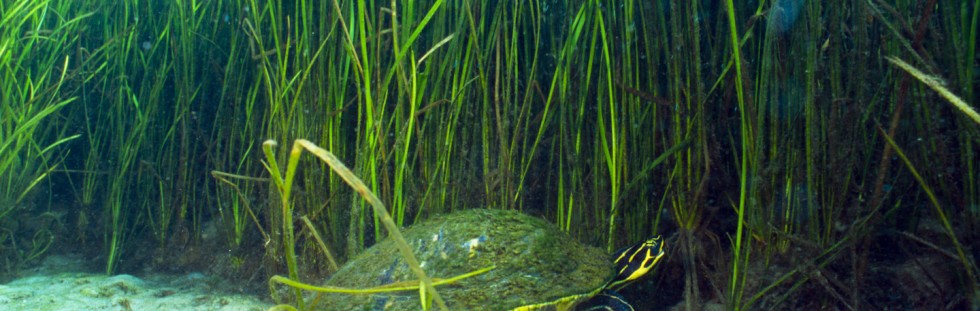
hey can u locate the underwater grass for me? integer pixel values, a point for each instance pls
(570, 122)
(559, 110)
(132, 111)
(239, 208)
(34, 69)
(968, 263)
(24, 109)
(284, 185)
(740, 254)
(937, 85)
(387, 288)
(612, 145)
(964, 31)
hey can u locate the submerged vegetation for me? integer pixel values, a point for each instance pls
(797, 148)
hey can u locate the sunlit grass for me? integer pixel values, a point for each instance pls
(33, 70)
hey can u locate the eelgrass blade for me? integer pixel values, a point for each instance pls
(937, 85)
(968, 264)
(740, 251)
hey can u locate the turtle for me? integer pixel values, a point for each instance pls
(536, 266)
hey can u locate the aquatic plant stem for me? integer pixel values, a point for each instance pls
(284, 188)
(937, 85)
(387, 288)
(34, 67)
(740, 255)
(284, 184)
(612, 145)
(379, 210)
(967, 263)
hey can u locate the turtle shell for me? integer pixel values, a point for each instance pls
(536, 264)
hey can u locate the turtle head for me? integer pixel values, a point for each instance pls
(635, 261)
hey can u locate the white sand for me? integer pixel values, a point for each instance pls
(49, 287)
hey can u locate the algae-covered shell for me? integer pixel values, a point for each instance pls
(535, 263)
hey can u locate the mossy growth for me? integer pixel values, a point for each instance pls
(535, 263)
